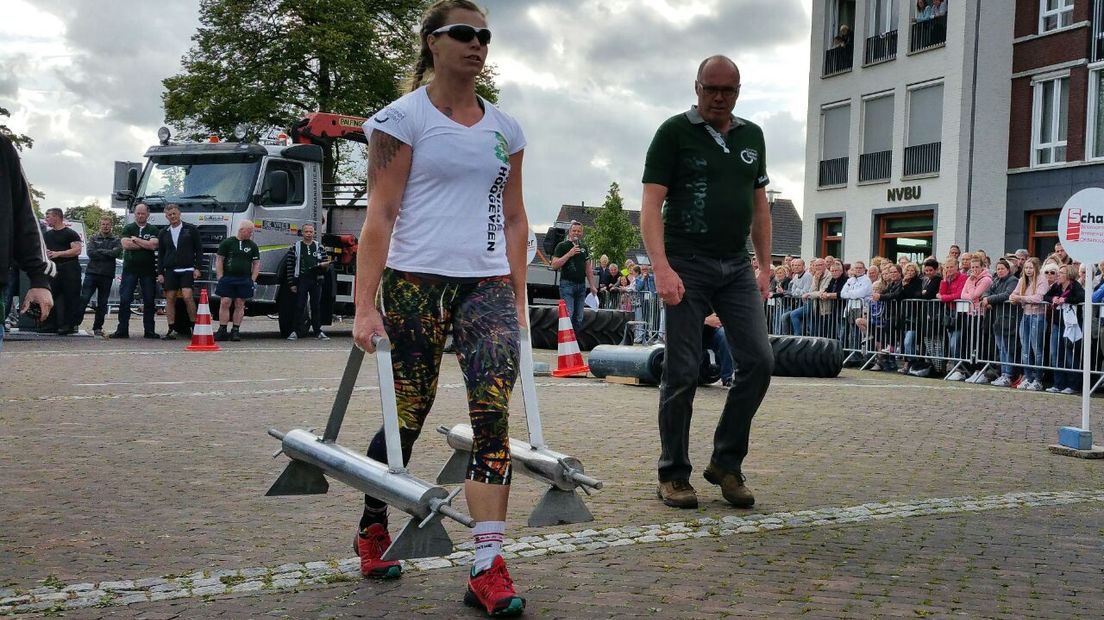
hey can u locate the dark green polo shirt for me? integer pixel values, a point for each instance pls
(140, 262)
(238, 256)
(574, 270)
(710, 186)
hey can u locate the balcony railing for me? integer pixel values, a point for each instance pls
(922, 158)
(880, 47)
(833, 172)
(875, 166)
(838, 60)
(928, 34)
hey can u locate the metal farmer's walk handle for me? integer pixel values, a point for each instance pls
(314, 458)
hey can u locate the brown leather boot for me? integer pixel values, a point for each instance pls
(677, 494)
(732, 486)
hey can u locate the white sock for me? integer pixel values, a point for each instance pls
(487, 536)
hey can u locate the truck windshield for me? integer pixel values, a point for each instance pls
(199, 183)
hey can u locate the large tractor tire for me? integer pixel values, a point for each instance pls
(806, 356)
(601, 327)
(543, 321)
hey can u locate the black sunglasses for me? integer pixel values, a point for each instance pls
(465, 33)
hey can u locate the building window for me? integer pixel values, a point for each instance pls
(923, 146)
(835, 128)
(1098, 31)
(1049, 122)
(906, 234)
(1095, 146)
(876, 159)
(830, 234)
(929, 26)
(1055, 14)
(839, 48)
(882, 44)
(1042, 232)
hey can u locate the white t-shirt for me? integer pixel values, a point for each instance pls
(451, 220)
(174, 231)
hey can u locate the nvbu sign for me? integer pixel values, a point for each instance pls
(895, 194)
(1081, 225)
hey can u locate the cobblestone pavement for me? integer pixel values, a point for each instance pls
(135, 467)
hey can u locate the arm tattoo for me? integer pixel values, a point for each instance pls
(382, 148)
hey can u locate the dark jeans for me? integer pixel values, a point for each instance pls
(574, 296)
(101, 286)
(308, 285)
(126, 294)
(728, 288)
(719, 344)
(67, 294)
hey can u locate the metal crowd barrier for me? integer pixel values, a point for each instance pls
(1013, 339)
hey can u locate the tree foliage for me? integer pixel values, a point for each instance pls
(90, 215)
(22, 141)
(612, 233)
(266, 63)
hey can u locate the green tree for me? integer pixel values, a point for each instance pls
(22, 141)
(612, 233)
(266, 64)
(90, 215)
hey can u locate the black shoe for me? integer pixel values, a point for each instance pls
(117, 335)
(66, 331)
(151, 335)
(235, 336)
(169, 335)
(221, 335)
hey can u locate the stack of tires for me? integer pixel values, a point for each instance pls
(599, 327)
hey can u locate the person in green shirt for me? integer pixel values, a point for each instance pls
(237, 266)
(705, 180)
(572, 258)
(139, 241)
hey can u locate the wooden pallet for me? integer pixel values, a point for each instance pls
(623, 380)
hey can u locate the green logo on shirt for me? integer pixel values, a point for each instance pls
(500, 148)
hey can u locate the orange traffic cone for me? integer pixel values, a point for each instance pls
(203, 338)
(569, 362)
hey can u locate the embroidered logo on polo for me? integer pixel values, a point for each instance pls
(750, 156)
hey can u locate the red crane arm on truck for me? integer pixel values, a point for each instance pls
(324, 127)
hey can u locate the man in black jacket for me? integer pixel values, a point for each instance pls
(103, 249)
(178, 252)
(20, 236)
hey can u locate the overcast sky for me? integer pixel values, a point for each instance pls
(589, 81)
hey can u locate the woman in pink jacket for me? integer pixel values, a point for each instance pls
(950, 291)
(1029, 294)
(975, 288)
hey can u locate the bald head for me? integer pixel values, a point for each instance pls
(720, 61)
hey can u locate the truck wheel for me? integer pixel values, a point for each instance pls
(806, 356)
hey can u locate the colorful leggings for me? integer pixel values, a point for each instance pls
(484, 322)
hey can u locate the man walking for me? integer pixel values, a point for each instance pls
(103, 249)
(572, 259)
(178, 252)
(237, 265)
(63, 246)
(704, 190)
(307, 263)
(21, 241)
(139, 242)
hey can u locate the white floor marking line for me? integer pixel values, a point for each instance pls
(268, 579)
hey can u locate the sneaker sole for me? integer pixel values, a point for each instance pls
(673, 504)
(514, 608)
(391, 572)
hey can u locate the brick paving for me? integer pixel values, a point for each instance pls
(130, 481)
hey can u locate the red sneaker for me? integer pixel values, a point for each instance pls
(370, 544)
(493, 590)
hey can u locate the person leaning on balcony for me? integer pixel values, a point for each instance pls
(1029, 296)
(938, 8)
(923, 11)
(1003, 318)
(1064, 351)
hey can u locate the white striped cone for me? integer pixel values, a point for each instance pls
(203, 337)
(569, 360)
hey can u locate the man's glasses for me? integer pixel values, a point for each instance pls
(728, 92)
(465, 33)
